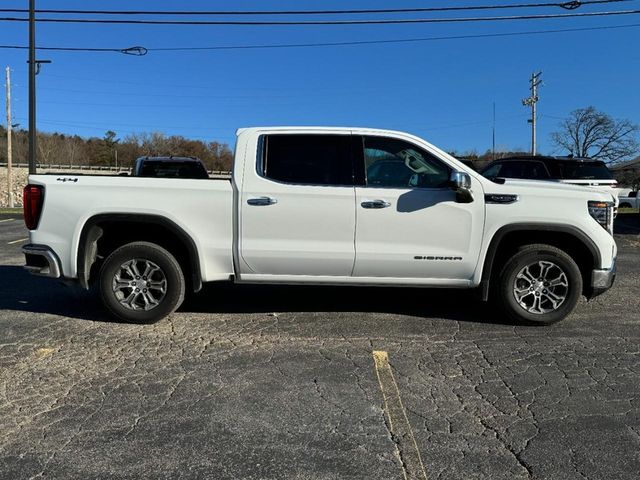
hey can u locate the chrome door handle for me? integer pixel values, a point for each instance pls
(262, 201)
(375, 204)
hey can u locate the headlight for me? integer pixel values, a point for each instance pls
(602, 212)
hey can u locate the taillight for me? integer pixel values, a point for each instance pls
(33, 198)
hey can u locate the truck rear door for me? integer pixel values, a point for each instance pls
(297, 208)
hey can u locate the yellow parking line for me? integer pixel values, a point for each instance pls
(18, 241)
(44, 352)
(6, 220)
(412, 466)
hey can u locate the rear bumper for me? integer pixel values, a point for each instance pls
(602, 280)
(41, 261)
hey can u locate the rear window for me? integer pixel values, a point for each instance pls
(308, 159)
(585, 171)
(173, 170)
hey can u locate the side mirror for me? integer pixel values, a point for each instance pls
(461, 183)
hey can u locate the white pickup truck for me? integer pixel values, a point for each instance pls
(630, 199)
(340, 206)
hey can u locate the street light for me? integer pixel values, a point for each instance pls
(34, 69)
(32, 86)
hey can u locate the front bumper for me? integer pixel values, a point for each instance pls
(42, 261)
(602, 280)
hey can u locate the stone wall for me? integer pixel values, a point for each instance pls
(19, 181)
(20, 176)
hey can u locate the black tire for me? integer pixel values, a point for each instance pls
(165, 286)
(624, 205)
(536, 297)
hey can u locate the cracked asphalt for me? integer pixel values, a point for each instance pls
(280, 382)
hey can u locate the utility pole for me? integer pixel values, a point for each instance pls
(532, 102)
(493, 143)
(9, 146)
(32, 86)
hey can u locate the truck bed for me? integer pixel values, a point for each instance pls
(202, 208)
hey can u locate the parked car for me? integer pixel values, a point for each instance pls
(310, 206)
(576, 171)
(630, 200)
(169, 167)
(468, 163)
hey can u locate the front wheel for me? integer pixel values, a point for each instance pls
(539, 284)
(141, 283)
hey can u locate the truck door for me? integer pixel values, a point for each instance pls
(409, 224)
(297, 209)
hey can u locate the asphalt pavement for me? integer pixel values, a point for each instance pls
(316, 383)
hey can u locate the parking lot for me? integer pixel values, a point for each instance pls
(317, 383)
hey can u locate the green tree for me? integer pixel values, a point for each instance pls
(107, 148)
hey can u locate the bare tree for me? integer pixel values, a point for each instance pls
(71, 146)
(47, 144)
(588, 132)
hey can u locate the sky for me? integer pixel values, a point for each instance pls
(442, 91)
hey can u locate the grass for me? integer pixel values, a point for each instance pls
(623, 211)
(11, 211)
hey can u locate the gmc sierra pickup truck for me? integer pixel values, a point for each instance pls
(339, 206)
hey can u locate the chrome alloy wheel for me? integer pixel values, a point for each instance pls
(541, 287)
(139, 284)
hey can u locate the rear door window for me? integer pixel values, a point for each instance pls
(535, 171)
(572, 170)
(307, 159)
(524, 170)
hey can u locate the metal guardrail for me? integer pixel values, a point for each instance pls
(100, 168)
(50, 166)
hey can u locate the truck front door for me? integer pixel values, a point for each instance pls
(409, 224)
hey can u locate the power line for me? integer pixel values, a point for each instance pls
(568, 5)
(134, 51)
(103, 125)
(163, 95)
(323, 22)
(330, 44)
(391, 41)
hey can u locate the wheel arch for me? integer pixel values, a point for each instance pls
(100, 236)
(566, 237)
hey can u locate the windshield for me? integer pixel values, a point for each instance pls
(585, 171)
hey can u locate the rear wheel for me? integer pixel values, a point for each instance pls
(539, 284)
(141, 283)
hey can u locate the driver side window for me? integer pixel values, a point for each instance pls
(393, 163)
